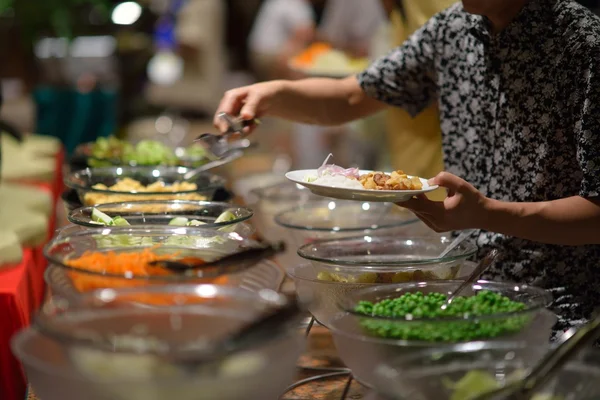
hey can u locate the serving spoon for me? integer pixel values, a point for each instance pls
(265, 327)
(459, 239)
(479, 269)
(243, 259)
(550, 364)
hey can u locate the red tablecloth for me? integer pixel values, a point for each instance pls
(22, 291)
(18, 288)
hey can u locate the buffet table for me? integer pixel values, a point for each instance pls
(22, 291)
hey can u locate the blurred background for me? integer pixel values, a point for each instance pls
(83, 69)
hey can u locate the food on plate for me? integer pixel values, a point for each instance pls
(127, 265)
(350, 178)
(135, 187)
(476, 383)
(339, 181)
(397, 180)
(413, 310)
(322, 58)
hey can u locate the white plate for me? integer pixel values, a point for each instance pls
(391, 196)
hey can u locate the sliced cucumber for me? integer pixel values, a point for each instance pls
(179, 221)
(227, 216)
(99, 216)
(120, 221)
(195, 222)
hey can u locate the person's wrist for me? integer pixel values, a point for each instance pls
(490, 209)
(281, 89)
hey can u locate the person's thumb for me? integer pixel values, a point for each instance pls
(449, 181)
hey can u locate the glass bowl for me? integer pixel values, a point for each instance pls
(332, 219)
(106, 345)
(246, 187)
(465, 370)
(77, 275)
(162, 212)
(364, 342)
(340, 266)
(84, 181)
(269, 202)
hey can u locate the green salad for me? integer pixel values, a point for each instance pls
(414, 312)
(112, 151)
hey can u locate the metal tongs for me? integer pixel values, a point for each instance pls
(250, 335)
(243, 259)
(550, 364)
(218, 145)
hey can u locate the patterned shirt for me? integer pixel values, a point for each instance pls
(520, 119)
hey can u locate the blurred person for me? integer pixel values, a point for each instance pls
(282, 29)
(351, 25)
(518, 89)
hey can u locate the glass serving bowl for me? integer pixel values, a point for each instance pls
(246, 187)
(162, 212)
(340, 266)
(270, 201)
(463, 371)
(84, 181)
(179, 242)
(107, 345)
(365, 341)
(331, 219)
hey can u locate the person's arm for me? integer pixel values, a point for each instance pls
(319, 101)
(570, 221)
(405, 78)
(323, 101)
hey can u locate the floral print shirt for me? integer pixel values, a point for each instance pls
(520, 119)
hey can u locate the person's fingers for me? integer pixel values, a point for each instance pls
(449, 181)
(232, 102)
(427, 220)
(420, 203)
(249, 128)
(250, 109)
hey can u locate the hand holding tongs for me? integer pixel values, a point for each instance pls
(218, 145)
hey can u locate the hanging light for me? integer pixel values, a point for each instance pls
(126, 13)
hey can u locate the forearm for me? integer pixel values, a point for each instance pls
(570, 221)
(323, 101)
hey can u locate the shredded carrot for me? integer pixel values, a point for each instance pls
(133, 267)
(133, 264)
